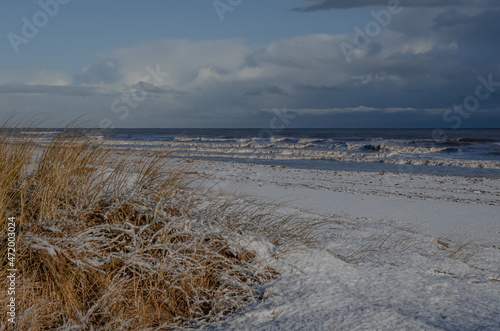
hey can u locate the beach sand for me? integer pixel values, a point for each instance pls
(444, 205)
(398, 251)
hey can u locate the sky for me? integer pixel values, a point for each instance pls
(252, 63)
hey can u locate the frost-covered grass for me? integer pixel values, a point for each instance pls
(107, 241)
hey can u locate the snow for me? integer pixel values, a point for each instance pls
(405, 251)
(438, 204)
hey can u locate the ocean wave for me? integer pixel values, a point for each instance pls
(479, 140)
(283, 140)
(385, 151)
(258, 147)
(311, 141)
(311, 155)
(40, 133)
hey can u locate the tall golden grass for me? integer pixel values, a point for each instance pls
(108, 241)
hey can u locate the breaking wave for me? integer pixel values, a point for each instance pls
(310, 149)
(474, 149)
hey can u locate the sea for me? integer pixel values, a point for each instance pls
(467, 152)
(463, 152)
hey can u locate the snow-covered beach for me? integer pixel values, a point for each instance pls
(409, 242)
(391, 250)
(444, 205)
(250, 165)
(405, 251)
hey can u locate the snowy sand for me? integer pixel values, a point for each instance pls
(403, 251)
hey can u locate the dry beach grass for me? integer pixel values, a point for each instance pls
(107, 241)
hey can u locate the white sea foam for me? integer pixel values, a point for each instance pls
(315, 149)
(469, 150)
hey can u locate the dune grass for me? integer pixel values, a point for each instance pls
(108, 241)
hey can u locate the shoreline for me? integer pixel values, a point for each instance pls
(362, 166)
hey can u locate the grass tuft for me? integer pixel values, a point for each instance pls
(108, 241)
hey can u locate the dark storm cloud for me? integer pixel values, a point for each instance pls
(479, 33)
(157, 90)
(321, 89)
(430, 57)
(472, 32)
(348, 4)
(266, 90)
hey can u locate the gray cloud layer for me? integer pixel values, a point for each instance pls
(52, 90)
(424, 62)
